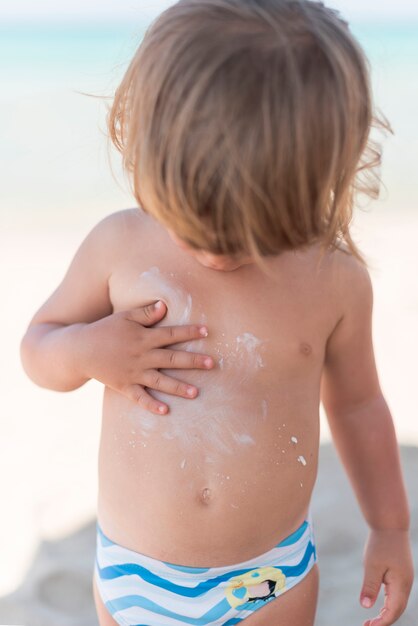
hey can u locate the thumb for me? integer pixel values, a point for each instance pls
(149, 314)
(371, 586)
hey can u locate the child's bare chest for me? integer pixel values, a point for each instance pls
(267, 336)
(256, 323)
(257, 409)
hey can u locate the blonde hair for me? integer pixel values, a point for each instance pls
(245, 125)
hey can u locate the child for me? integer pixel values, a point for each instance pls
(245, 127)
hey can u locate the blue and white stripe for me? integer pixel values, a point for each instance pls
(138, 590)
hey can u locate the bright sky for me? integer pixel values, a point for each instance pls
(110, 10)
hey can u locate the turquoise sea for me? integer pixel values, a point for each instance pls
(53, 150)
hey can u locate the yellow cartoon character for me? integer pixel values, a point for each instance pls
(257, 584)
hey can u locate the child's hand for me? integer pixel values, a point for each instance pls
(119, 351)
(387, 560)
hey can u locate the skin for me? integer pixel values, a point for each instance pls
(315, 334)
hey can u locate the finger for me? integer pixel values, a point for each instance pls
(142, 398)
(168, 335)
(154, 379)
(178, 359)
(373, 578)
(386, 617)
(396, 599)
(149, 314)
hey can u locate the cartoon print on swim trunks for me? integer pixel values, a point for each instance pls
(263, 583)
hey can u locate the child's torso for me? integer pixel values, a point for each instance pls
(225, 476)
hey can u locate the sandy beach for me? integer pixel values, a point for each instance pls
(49, 443)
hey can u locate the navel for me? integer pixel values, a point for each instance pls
(206, 495)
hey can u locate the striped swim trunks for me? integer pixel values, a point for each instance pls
(138, 590)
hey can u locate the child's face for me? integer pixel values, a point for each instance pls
(222, 263)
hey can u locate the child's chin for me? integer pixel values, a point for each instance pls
(221, 267)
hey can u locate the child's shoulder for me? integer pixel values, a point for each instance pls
(118, 229)
(123, 222)
(350, 279)
(350, 270)
(337, 266)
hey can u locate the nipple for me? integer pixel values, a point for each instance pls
(305, 348)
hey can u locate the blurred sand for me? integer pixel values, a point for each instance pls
(49, 443)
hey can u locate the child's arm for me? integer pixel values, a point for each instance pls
(75, 335)
(363, 431)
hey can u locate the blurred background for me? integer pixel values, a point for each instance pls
(59, 66)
